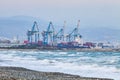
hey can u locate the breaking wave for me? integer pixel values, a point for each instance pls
(88, 64)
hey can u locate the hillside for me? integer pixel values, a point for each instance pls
(18, 25)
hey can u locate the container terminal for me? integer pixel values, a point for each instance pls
(51, 39)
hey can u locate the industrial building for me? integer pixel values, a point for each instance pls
(51, 37)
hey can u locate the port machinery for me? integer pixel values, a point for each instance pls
(60, 35)
(34, 32)
(72, 36)
(50, 37)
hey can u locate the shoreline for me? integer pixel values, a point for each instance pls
(64, 49)
(19, 73)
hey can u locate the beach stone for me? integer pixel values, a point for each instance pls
(18, 73)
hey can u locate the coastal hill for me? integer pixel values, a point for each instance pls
(18, 25)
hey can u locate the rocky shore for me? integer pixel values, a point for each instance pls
(18, 73)
(66, 49)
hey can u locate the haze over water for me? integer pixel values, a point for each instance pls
(92, 13)
(17, 16)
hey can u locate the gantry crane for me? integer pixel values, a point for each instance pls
(48, 35)
(74, 34)
(34, 32)
(61, 34)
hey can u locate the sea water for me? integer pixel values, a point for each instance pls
(86, 64)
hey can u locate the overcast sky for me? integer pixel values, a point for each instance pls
(97, 13)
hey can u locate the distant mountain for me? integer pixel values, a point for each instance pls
(18, 25)
(100, 34)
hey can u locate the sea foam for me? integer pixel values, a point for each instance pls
(88, 64)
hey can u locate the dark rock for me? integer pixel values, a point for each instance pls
(18, 73)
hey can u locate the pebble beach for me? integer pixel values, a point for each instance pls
(19, 73)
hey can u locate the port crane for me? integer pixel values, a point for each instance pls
(74, 34)
(48, 35)
(52, 38)
(34, 32)
(61, 34)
